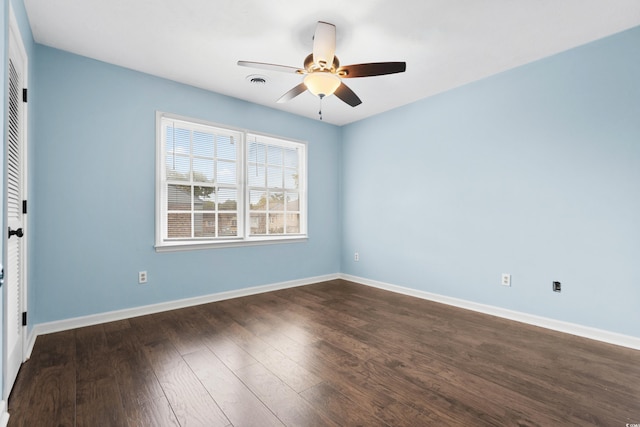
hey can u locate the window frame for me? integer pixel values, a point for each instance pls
(165, 244)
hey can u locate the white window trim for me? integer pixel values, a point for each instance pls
(162, 245)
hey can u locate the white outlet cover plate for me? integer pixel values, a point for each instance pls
(506, 279)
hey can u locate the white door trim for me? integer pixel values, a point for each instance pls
(15, 37)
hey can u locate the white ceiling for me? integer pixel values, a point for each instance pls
(446, 43)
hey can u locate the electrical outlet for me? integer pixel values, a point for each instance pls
(557, 287)
(356, 256)
(142, 277)
(506, 279)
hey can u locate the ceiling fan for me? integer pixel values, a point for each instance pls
(322, 70)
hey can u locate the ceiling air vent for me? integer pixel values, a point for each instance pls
(257, 79)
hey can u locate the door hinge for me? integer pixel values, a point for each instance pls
(24, 95)
(24, 206)
(24, 318)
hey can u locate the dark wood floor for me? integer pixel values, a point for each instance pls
(334, 353)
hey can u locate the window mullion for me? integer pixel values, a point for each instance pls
(193, 190)
(216, 200)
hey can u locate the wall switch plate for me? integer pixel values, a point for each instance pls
(506, 279)
(142, 277)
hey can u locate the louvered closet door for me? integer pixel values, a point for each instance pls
(15, 251)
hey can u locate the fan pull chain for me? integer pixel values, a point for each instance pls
(320, 110)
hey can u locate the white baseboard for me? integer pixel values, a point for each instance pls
(111, 316)
(556, 325)
(31, 341)
(4, 414)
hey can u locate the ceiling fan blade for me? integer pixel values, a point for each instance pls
(347, 95)
(272, 67)
(324, 44)
(292, 93)
(371, 69)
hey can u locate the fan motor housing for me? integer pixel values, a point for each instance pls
(310, 66)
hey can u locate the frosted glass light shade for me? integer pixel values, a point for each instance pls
(322, 83)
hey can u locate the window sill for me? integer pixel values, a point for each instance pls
(191, 246)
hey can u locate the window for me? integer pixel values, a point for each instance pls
(274, 196)
(218, 186)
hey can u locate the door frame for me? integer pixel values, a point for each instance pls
(14, 36)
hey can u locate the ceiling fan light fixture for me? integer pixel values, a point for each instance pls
(322, 83)
(322, 70)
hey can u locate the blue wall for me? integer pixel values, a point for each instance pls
(93, 193)
(533, 172)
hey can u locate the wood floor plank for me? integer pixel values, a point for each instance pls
(155, 412)
(478, 393)
(231, 354)
(92, 354)
(240, 405)
(217, 320)
(46, 385)
(514, 372)
(162, 355)
(118, 325)
(319, 311)
(331, 353)
(57, 349)
(189, 400)
(51, 396)
(131, 368)
(284, 401)
(400, 414)
(245, 339)
(339, 408)
(379, 389)
(294, 375)
(184, 329)
(99, 404)
(53, 350)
